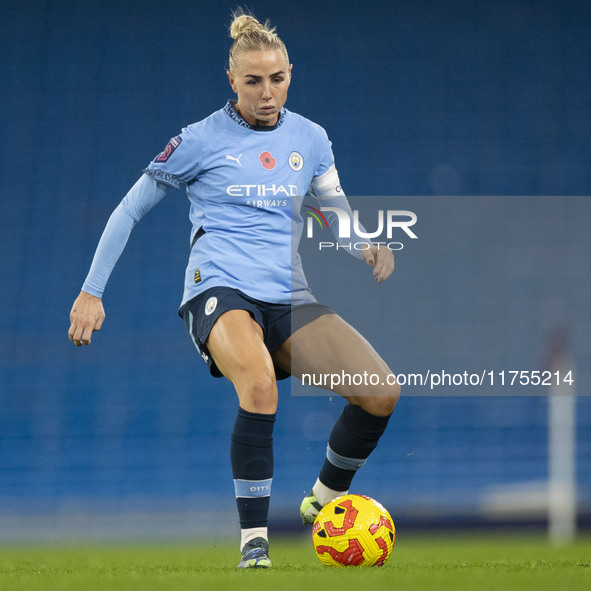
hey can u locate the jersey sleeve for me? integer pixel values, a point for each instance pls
(179, 163)
(326, 187)
(339, 215)
(144, 195)
(325, 155)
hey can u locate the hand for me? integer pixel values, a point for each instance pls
(86, 316)
(381, 259)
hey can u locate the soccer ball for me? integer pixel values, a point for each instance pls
(353, 530)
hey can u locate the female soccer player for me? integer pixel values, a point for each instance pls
(246, 303)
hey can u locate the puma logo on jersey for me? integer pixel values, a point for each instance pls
(229, 157)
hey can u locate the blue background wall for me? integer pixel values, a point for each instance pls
(419, 98)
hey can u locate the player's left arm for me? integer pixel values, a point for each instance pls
(327, 189)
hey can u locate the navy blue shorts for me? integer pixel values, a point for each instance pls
(278, 321)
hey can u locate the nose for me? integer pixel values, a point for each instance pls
(266, 91)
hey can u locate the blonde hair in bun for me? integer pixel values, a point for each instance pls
(251, 35)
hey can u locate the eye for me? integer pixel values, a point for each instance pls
(252, 82)
(278, 80)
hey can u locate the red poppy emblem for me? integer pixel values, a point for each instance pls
(267, 160)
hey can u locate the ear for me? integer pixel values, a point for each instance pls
(289, 74)
(232, 81)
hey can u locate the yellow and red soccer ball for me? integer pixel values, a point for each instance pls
(353, 530)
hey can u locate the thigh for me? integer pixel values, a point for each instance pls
(236, 344)
(329, 346)
(202, 312)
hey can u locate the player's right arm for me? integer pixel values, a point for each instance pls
(86, 316)
(177, 165)
(87, 313)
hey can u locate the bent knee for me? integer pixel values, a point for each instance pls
(379, 405)
(258, 393)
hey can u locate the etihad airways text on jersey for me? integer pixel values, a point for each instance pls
(272, 190)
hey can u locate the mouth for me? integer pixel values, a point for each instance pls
(267, 109)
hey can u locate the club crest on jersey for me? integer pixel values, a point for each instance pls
(172, 145)
(211, 305)
(267, 160)
(296, 161)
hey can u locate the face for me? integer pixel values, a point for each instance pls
(261, 79)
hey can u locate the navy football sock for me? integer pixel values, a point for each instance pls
(354, 436)
(251, 455)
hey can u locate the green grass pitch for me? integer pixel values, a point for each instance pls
(456, 562)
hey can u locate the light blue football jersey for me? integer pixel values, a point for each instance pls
(246, 186)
